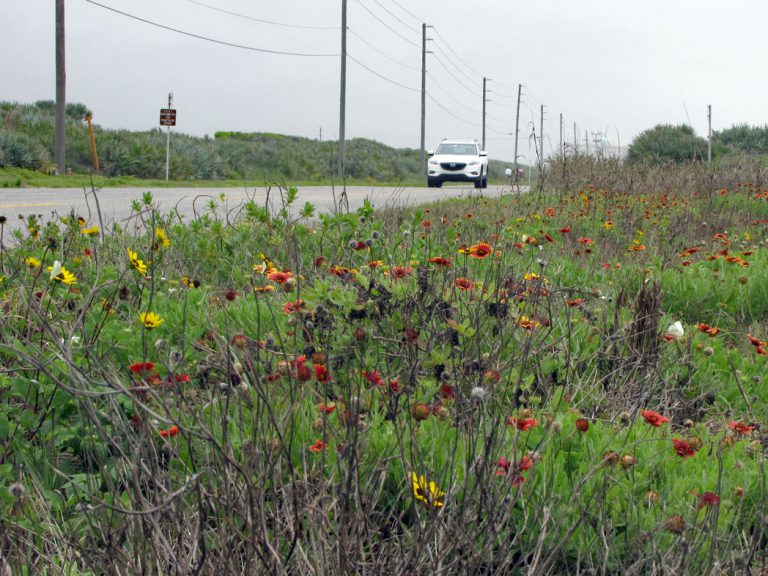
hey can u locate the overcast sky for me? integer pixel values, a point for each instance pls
(616, 67)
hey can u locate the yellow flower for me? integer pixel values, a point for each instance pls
(608, 224)
(427, 491)
(150, 320)
(161, 238)
(136, 263)
(32, 262)
(90, 231)
(61, 274)
(531, 276)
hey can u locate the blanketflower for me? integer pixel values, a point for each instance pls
(293, 307)
(321, 373)
(654, 418)
(683, 448)
(481, 250)
(141, 367)
(426, 491)
(707, 329)
(150, 320)
(374, 377)
(565, 230)
(439, 261)
(741, 427)
(582, 424)
(318, 446)
(280, 277)
(399, 272)
(523, 424)
(326, 408)
(138, 264)
(708, 499)
(464, 284)
(170, 432)
(585, 241)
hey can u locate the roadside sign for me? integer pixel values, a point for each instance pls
(167, 117)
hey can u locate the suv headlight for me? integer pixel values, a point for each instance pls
(474, 163)
(433, 162)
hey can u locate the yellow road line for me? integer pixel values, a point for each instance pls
(29, 204)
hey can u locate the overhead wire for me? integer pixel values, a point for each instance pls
(411, 14)
(396, 18)
(444, 41)
(372, 47)
(254, 19)
(208, 39)
(372, 71)
(472, 91)
(387, 25)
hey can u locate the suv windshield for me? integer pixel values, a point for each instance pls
(457, 149)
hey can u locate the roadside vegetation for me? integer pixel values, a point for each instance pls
(562, 382)
(229, 158)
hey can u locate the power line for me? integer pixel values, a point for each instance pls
(459, 118)
(447, 93)
(396, 18)
(372, 71)
(451, 60)
(470, 90)
(437, 32)
(387, 25)
(372, 47)
(238, 15)
(207, 39)
(411, 14)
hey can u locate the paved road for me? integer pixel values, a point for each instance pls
(115, 203)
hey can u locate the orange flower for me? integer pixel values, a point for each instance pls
(654, 418)
(292, 307)
(318, 446)
(523, 424)
(575, 302)
(170, 432)
(582, 424)
(707, 329)
(741, 427)
(481, 250)
(439, 261)
(585, 241)
(683, 448)
(399, 272)
(463, 284)
(280, 277)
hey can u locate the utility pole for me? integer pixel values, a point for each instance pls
(61, 91)
(485, 80)
(562, 150)
(517, 123)
(343, 90)
(575, 140)
(541, 143)
(709, 134)
(168, 139)
(586, 140)
(423, 94)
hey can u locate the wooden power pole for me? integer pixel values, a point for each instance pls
(517, 123)
(61, 91)
(343, 90)
(485, 80)
(709, 134)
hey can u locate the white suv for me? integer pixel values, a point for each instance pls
(457, 161)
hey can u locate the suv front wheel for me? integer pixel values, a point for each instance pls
(434, 182)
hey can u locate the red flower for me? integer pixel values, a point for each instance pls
(582, 424)
(523, 424)
(654, 418)
(321, 373)
(399, 272)
(575, 302)
(142, 368)
(374, 377)
(585, 241)
(440, 261)
(707, 499)
(464, 284)
(503, 466)
(741, 427)
(318, 446)
(280, 277)
(565, 230)
(292, 307)
(327, 408)
(707, 329)
(447, 391)
(683, 448)
(230, 295)
(481, 250)
(170, 432)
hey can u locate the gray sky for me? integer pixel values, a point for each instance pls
(615, 66)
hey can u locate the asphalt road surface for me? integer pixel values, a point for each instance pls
(115, 203)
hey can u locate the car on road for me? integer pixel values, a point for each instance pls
(458, 161)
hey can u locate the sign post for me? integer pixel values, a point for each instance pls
(168, 119)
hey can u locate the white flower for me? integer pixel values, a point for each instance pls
(55, 269)
(477, 394)
(676, 330)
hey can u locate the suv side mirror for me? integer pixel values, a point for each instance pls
(483, 153)
(430, 152)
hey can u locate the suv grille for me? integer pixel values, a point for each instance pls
(453, 165)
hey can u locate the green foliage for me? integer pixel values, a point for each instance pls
(667, 143)
(27, 139)
(744, 138)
